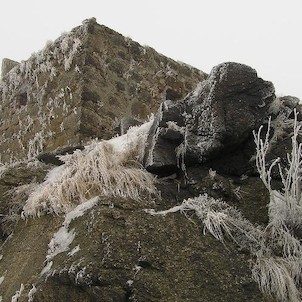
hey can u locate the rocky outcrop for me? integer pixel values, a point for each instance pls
(52, 157)
(213, 120)
(125, 254)
(16, 183)
(195, 232)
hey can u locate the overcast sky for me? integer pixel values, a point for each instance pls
(265, 34)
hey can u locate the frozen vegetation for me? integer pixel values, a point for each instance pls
(106, 168)
(31, 293)
(18, 293)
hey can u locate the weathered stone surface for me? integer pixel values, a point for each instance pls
(285, 106)
(80, 87)
(231, 103)
(128, 255)
(23, 257)
(238, 161)
(128, 122)
(7, 65)
(53, 156)
(11, 204)
(216, 118)
(164, 138)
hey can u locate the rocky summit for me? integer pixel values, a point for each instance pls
(86, 84)
(128, 176)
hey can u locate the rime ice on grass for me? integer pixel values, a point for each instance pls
(106, 168)
(280, 275)
(18, 293)
(24, 89)
(218, 218)
(74, 251)
(31, 293)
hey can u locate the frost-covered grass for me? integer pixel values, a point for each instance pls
(219, 219)
(18, 293)
(285, 207)
(8, 165)
(106, 168)
(74, 251)
(17, 198)
(31, 293)
(278, 276)
(62, 51)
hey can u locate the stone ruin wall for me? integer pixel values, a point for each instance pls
(40, 100)
(80, 86)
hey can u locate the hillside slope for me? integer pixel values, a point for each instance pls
(178, 206)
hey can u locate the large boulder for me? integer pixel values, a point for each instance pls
(121, 253)
(214, 119)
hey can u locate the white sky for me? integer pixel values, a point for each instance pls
(265, 34)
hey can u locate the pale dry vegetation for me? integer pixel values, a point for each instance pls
(107, 168)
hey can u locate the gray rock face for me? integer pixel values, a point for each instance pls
(217, 117)
(126, 254)
(53, 156)
(15, 184)
(166, 135)
(7, 65)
